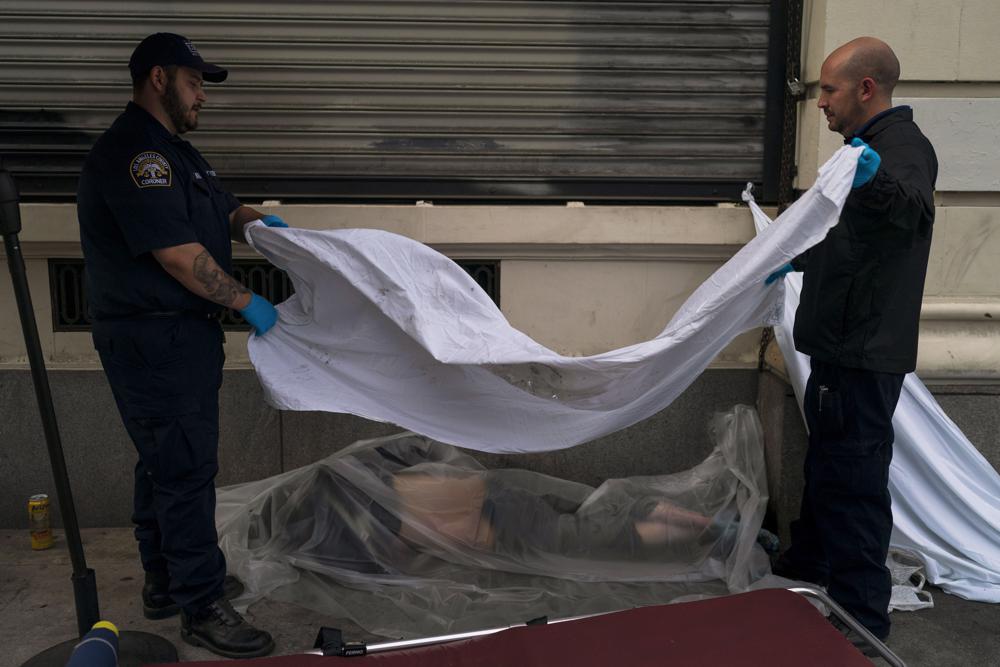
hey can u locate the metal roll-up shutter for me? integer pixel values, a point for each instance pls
(405, 99)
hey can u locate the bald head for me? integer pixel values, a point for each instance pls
(867, 57)
(856, 83)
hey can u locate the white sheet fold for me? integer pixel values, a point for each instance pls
(384, 327)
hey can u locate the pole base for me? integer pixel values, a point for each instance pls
(134, 650)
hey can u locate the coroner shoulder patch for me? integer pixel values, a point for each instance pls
(150, 169)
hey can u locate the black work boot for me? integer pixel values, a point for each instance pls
(156, 600)
(220, 629)
(856, 639)
(785, 567)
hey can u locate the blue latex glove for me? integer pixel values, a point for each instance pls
(868, 164)
(787, 268)
(273, 221)
(260, 314)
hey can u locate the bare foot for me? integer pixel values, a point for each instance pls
(668, 523)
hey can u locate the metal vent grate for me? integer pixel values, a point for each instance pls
(69, 295)
(269, 281)
(486, 273)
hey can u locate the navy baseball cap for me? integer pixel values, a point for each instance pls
(166, 48)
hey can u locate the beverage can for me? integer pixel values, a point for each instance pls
(38, 521)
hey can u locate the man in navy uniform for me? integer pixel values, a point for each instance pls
(858, 320)
(156, 225)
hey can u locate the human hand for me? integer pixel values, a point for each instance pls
(868, 163)
(273, 221)
(260, 314)
(787, 268)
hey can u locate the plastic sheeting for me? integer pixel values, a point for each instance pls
(906, 571)
(945, 505)
(411, 537)
(384, 327)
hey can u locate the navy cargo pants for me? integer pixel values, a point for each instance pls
(842, 535)
(165, 373)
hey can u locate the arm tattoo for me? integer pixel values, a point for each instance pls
(221, 287)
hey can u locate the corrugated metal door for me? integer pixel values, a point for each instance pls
(488, 99)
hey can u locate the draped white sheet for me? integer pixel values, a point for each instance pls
(945, 495)
(384, 327)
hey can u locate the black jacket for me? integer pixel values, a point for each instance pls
(863, 284)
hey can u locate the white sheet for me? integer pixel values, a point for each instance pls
(945, 495)
(384, 327)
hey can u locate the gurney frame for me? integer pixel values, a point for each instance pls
(329, 641)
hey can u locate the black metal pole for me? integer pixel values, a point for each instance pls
(134, 648)
(84, 582)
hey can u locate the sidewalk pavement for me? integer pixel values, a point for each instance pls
(37, 610)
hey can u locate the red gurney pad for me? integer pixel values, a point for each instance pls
(772, 627)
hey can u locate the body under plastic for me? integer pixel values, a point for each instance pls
(411, 537)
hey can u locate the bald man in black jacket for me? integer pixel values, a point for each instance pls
(858, 320)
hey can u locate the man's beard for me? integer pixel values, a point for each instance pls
(179, 114)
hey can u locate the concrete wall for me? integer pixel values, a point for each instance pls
(579, 280)
(585, 280)
(257, 441)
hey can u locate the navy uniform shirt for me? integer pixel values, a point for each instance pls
(142, 189)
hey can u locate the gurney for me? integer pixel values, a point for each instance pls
(773, 627)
